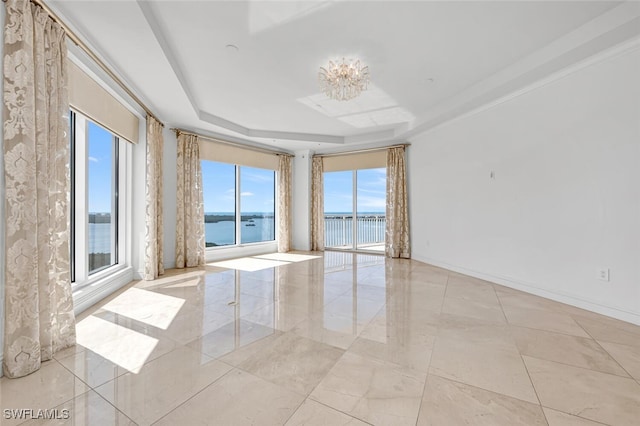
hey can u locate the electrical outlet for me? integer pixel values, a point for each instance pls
(603, 274)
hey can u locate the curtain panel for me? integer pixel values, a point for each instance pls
(284, 203)
(39, 319)
(397, 210)
(317, 205)
(153, 263)
(190, 214)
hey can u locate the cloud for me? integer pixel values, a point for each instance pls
(246, 194)
(381, 192)
(94, 159)
(267, 176)
(371, 202)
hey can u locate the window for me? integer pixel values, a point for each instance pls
(239, 204)
(354, 209)
(219, 195)
(95, 198)
(257, 205)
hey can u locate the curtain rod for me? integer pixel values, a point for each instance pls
(237, 144)
(78, 42)
(358, 151)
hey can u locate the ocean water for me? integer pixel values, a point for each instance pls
(223, 233)
(338, 231)
(99, 238)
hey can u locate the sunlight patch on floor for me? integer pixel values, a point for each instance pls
(155, 309)
(248, 264)
(287, 257)
(120, 345)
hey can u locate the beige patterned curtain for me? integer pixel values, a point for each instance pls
(317, 205)
(284, 203)
(153, 264)
(39, 318)
(190, 214)
(397, 227)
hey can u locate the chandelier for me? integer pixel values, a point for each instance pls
(343, 80)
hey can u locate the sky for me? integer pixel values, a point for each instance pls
(100, 169)
(257, 185)
(371, 191)
(218, 185)
(257, 190)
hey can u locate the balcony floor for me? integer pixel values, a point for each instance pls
(376, 248)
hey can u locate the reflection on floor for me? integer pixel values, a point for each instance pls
(371, 247)
(339, 338)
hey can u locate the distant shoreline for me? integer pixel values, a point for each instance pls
(215, 218)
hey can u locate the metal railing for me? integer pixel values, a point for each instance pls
(338, 229)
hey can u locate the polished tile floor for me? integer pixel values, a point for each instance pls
(307, 339)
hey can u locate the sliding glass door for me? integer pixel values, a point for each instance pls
(354, 209)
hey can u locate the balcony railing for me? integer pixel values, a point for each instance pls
(338, 229)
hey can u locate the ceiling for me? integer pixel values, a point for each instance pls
(429, 61)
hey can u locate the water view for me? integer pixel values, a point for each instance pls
(220, 228)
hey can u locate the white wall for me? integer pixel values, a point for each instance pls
(301, 199)
(169, 186)
(565, 199)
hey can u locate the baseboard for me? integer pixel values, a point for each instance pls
(225, 253)
(621, 314)
(93, 293)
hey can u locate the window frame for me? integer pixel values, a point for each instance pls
(238, 212)
(79, 212)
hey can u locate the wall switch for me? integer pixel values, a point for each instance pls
(603, 274)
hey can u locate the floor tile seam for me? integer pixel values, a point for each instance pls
(195, 394)
(585, 368)
(312, 398)
(433, 349)
(69, 356)
(93, 387)
(637, 380)
(335, 409)
(308, 396)
(537, 310)
(533, 386)
(628, 376)
(510, 324)
(150, 361)
(573, 415)
(513, 340)
(446, 287)
(484, 389)
(508, 348)
(89, 388)
(294, 411)
(207, 306)
(424, 386)
(111, 404)
(506, 320)
(270, 381)
(392, 363)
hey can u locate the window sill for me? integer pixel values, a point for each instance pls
(229, 252)
(100, 286)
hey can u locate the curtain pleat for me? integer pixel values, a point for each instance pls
(284, 203)
(190, 214)
(39, 318)
(153, 264)
(317, 205)
(397, 211)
